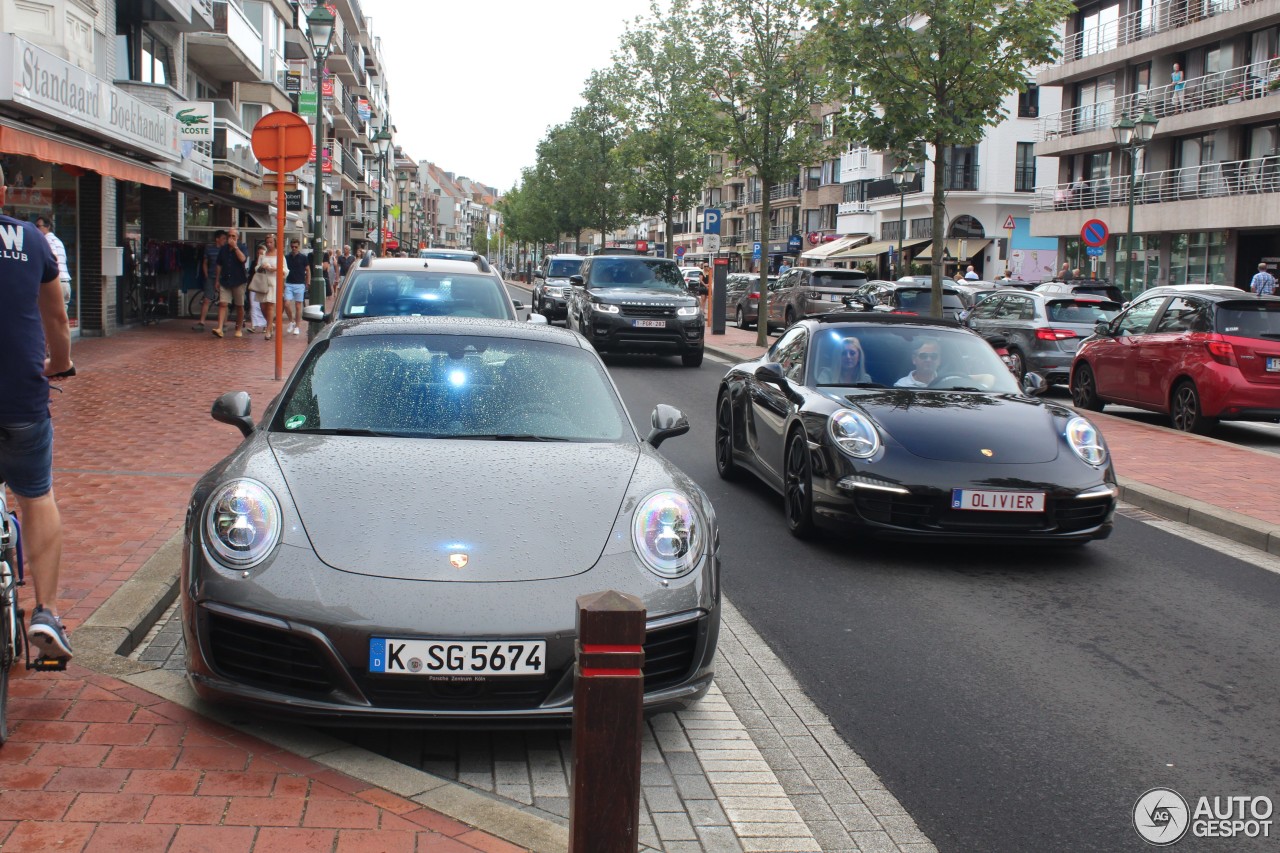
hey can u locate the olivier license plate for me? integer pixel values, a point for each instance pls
(650, 324)
(997, 500)
(1273, 365)
(390, 656)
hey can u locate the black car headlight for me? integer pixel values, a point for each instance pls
(854, 433)
(1086, 441)
(667, 533)
(242, 523)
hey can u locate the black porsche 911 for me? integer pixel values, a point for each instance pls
(911, 427)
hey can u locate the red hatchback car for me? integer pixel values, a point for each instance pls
(1198, 355)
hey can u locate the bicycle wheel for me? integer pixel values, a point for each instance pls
(8, 633)
(194, 301)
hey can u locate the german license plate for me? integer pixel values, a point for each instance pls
(1273, 365)
(997, 500)
(650, 324)
(391, 656)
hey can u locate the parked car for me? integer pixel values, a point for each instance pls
(1200, 356)
(550, 281)
(636, 303)
(911, 428)
(410, 599)
(803, 291)
(1227, 289)
(1042, 330)
(905, 297)
(422, 287)
(742, 297)
(693, 280)
(1105, 289)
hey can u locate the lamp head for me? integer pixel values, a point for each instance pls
(1124, 130)
(383, 141)
(320, 25)
(1146, 128)
(899, 175)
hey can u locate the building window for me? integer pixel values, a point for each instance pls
(1024, 175)
(856, 191)
(827, 221)
(890, 229)
(812, 220)
(922, 229)
(716, 162)
(1029, 102)
(157, 61)
(814, 178)
(828, 125)
(960, 167)
(966, 227)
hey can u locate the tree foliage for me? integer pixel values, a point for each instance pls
(935, 72)
(763, 76)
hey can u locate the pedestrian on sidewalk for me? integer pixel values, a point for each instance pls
(206, 276)
(296, 283)
(263, 285)
(1263, 283)
(345, 261)
(33, 322)
(231, 275)
(45, 224)
(252, 301)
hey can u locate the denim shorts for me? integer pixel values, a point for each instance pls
(295, 292)
(26, 458)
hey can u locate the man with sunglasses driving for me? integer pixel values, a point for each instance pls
(927, 358)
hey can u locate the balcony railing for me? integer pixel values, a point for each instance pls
(853, 207)
(787, 190)
(1157, 18)
(780, 232)
(1199, 93)
(351, 166)
(229, 20)
(1024, 178)
(960, 177)
(231, 147)
(355, 55)
(1210, 180)
(753, 197)
(753, 235)
(855, 160)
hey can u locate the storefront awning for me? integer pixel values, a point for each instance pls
(972, 248)
(873, 250)
(826, 250)
(67, 153)
(219, 197)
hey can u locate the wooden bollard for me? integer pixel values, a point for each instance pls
(608, 700)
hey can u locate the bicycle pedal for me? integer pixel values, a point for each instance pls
(48, 665)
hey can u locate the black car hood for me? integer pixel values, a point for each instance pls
(416, 502)
(642, 296)
(959, 426)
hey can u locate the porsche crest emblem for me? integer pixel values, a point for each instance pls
(458, 561)
(985, 452)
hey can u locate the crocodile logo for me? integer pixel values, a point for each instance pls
(189, 120)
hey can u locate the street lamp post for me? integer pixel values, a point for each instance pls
(320, 25)
(383, 141)
(402, 181)
(903, 178)
(1132, 135)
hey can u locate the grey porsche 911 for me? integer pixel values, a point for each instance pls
(367, 555)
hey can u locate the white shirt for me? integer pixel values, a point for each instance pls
(910, 381)
(59, 252)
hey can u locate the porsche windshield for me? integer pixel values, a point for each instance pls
(636, 272)
(907, 357)
(382, 293)
(454, 386)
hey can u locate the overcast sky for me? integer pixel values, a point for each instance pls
(476, 83)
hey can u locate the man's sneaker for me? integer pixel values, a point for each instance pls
(48, 636)
(296, 330)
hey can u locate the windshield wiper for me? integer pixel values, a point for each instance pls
(957, 388)
(511, 436)
(851, 385)
(364, 433)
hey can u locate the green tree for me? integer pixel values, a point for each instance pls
(597, 138)
(763, 76)
(654, 89)
(562, 183)
(919, 76)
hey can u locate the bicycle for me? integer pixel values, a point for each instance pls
(13, 629)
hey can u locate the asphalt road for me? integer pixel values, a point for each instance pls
(1013, 699)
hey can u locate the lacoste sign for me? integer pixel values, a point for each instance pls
(195, 120)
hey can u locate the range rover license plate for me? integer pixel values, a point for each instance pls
(650, 324)
(997, 501)
(390, 656)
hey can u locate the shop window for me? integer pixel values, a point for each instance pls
(922, 229)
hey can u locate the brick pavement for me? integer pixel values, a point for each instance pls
(94, 763)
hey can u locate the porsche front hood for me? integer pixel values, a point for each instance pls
(446, 510)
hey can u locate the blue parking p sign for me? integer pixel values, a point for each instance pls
(755, 251)
(711, 220)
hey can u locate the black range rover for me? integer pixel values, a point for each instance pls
(635, 303)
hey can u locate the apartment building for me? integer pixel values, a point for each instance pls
(1203, 190)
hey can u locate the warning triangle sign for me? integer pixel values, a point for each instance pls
(1008, 223)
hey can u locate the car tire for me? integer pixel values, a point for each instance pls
(1184, 410)
(1018, 365)
(1084, 389)
(797, 486)
(790, 317)
(726, 467)
(741, 319)
(692, 359)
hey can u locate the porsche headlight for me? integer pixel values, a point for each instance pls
(1086, 441)
(242, 523)
(687, 311)
(854, 433)
(604, 308)
(667, 534)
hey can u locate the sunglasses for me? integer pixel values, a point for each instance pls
(929, 355)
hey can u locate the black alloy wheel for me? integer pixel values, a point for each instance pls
(726, 467)
(1084, 390)
(1184, 410)
(797, 487)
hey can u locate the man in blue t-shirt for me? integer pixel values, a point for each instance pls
(208, 270)
(33, 322)
(231, 275)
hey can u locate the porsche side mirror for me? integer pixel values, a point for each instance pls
(538, 319)
(314, 314)
(1033, 384)
(577, 280)
(234, 408)
(668, 422)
